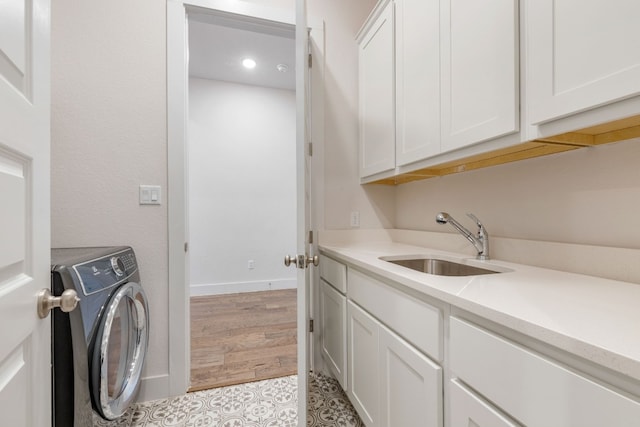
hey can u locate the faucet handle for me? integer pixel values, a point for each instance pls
(482, 231)
(475, 219)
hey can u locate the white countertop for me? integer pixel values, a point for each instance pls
(596, 319)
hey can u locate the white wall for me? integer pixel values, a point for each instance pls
(343, 193)
(342, 190)
(242, 186)
(109, 135)
(281, 4)
(108, 132)
(589, 196)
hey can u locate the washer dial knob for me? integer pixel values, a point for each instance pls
(118, 266)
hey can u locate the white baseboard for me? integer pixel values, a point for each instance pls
(153, 388)
(239, 287)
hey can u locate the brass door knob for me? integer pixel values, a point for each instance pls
(288, 260)
(301, 261)
(65, 302)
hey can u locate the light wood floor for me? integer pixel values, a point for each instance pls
(244, 337)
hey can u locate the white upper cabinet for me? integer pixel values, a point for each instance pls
(417, 80)
(581, 54)
(480, 68)
(441, 82)
(377, 101)
(455, 80)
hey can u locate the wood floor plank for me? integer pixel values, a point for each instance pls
(258, 353)
(245, 337)
(238, 347)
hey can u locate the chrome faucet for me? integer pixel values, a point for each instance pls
(481, 242)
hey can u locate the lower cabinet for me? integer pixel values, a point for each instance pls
(384, 347)
(363, 383)
(467, 409)
(390, 383)
(529, 387)
(410, 384)
(333, 308)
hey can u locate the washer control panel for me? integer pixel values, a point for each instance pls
(103, 273)
(118, 266)
(129, 260)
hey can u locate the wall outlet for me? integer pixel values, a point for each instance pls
(250, 264)
(354, 219)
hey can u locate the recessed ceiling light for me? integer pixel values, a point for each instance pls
(249, 63)
(283, 68)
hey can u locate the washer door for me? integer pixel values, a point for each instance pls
(119, 350)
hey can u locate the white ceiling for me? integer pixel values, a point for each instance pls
(218, 44)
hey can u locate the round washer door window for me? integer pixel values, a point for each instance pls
(119, 351)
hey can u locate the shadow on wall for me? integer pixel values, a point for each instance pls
(343, 192)
(587, 196)
(382, 200)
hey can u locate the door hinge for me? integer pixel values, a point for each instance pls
(310, 325)
(310, 61)
(310, 236)
(310, 149)
(186, 246)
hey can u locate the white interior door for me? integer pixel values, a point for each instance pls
(302, 193)
(25, 356)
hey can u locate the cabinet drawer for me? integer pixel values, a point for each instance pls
(533, 389)
(334, 273)
(414, 320)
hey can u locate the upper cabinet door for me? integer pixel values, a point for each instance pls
(377, 104)
(480, 84)
(582, 54)
(417, 80)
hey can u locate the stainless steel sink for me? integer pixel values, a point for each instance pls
(440, 267)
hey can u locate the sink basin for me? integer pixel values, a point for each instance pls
(440, 267)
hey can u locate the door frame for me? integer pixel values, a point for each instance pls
(177, 191)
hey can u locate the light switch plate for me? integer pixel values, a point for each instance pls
(150, 195)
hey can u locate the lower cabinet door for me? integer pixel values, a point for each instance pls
(467, 410)
(333, 308)
(363, 381)
(410, 385)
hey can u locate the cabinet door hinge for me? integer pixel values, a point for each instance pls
(310, 61)
(310, 149)
(186, 246)
(310, 325)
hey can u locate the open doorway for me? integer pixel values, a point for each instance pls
(242, 199)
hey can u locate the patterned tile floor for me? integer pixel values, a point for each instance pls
(268, 403)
